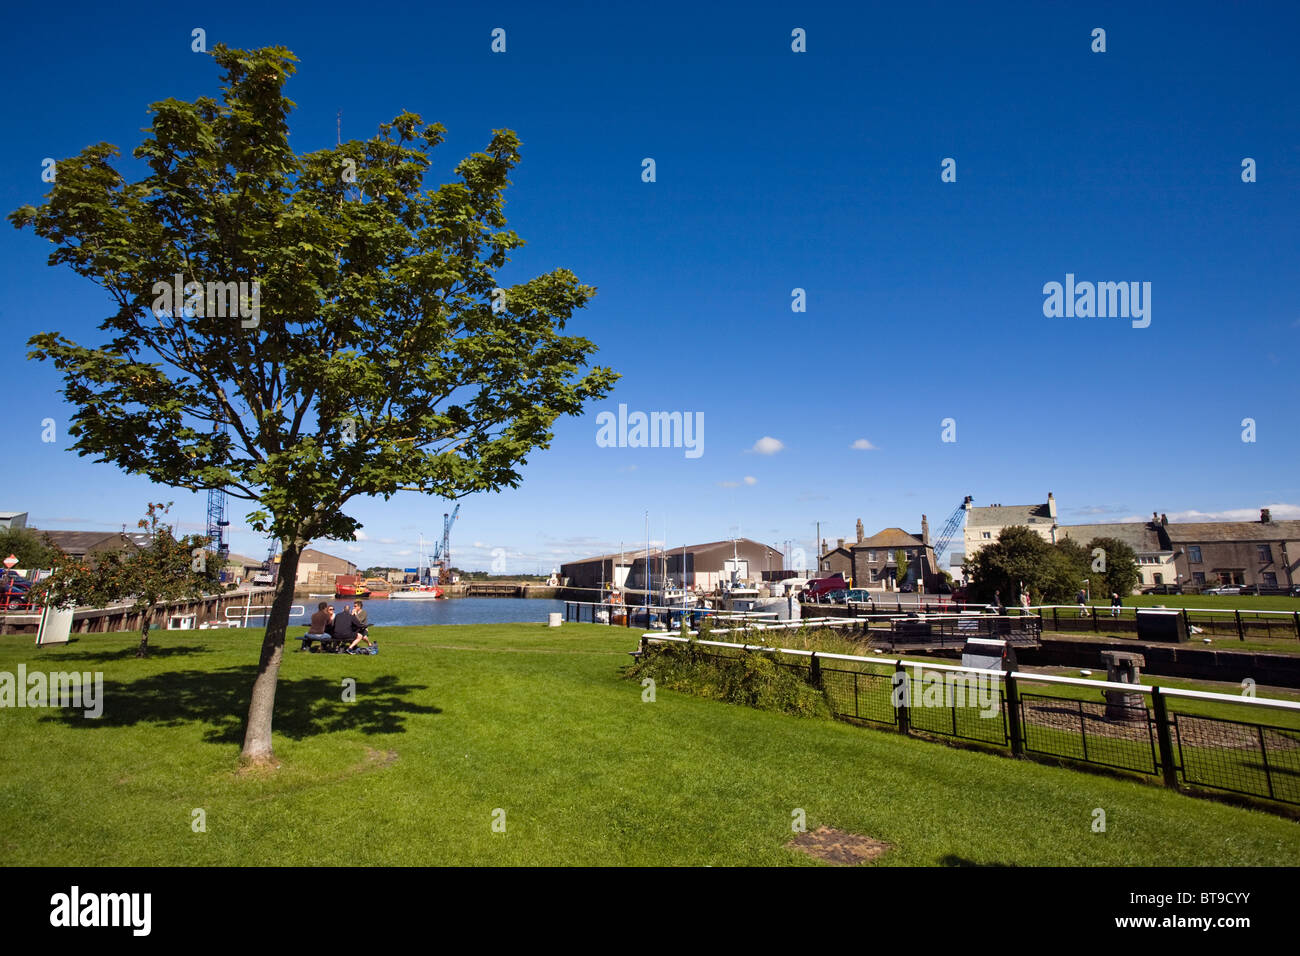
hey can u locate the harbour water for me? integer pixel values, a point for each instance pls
(385, 612)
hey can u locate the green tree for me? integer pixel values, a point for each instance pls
(1119, 573)
(374, 351)
(901, 569)
(167, 569)
(32, 550)
(1018, 558)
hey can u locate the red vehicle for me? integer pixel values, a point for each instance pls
(818, 588)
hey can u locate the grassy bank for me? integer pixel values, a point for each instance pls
(451, 724)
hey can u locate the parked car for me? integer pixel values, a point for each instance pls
(1224, 589)
(860, 595)
(818, 588)
(14, 590)
(1164, 589)
(905, 589)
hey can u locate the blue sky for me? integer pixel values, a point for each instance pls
(776, 170)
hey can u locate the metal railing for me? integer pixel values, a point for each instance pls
(1244, 624)
(260, 610)
(1143, 729)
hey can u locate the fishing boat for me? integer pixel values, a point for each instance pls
(351, 590)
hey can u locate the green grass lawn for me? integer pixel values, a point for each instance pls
(453, 723)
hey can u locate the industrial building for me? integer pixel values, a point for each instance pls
(703, 566)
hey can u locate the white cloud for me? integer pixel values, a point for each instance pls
(728, 484)
(354, 548)
(361, 535)
(767, 445)
(1278, 512)
(751, 480)
(863, 445)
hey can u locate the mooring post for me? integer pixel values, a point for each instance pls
(815, 671)
(1241, 633)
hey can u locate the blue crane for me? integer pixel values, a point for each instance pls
(217, 521)
(955, 521)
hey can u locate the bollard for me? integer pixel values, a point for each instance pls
(1241, 633)
(815, 672)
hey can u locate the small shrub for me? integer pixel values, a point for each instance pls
(751, 679)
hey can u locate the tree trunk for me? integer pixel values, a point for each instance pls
(145, 620)
(261, 708)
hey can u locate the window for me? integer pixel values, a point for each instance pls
(1157, 579)
(1194, 554)
(1265, 554)
(1199, 577)
(1270, 579)
(875, 574)
(987, 535)
(871, 555)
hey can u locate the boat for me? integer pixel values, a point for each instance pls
(417, 594)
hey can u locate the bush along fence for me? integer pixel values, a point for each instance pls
(1183, 738)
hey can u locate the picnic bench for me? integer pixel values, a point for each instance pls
(329, 644)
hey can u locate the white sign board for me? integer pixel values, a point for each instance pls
(56, 625)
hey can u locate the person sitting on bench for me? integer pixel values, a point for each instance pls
(320, 621)
(361, 625)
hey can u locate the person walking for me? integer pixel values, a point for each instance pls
(361, 625)
(1115, 604)
(1083, 603)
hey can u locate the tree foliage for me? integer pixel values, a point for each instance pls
(166, 569)
(1019, 558)
(385, 354)
(32, 550)
(1121, 574)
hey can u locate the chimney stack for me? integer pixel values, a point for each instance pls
(925, 530)
(860, 535)
(1051, 506)
(1264, 516)
(839, 542)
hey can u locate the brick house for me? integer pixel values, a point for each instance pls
(1263, 553)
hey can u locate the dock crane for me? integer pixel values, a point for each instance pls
(955, 522)
(442, 550)
(217, 521)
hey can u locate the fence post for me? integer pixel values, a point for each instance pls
(645, 643)
(1297, 623)
(1164, 738)
(1094, 617)
(1241, 633)
(815, 672)
(902, 681)
(1056, 623)
(1013, 715)
(1187, 620)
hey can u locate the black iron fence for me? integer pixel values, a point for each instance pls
(1151, 731)
(1208, 622)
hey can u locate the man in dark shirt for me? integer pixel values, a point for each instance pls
(344, 626)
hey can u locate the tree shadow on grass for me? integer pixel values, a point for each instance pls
(951, 860)
(304, 706)
(126, 653)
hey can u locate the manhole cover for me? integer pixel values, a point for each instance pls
(838, 846)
